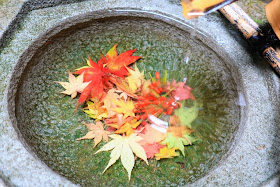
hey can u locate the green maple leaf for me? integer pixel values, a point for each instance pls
(177, 142)
(188, 115)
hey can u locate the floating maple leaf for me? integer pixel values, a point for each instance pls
(124, 147)
(128, 127)
(177, 142)
(93, 73)
(97, 132)
(111, 95)
(117, 121)
(166, 153)
(152, 149)
(124, 107)
(122, 85)
(93, 90)
(146, 87)
(95, 111)
(151, 135)
(116, 64)
(183, 92)
(188, 115)
(74, 86)
(135, 79)
(99, 73)
(107, 100)
(91, 70)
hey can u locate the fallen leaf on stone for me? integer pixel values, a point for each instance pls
(261, 147)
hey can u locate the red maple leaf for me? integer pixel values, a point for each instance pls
(116, 64)
(183, 92)
(93, 90)
(91, 71)
(100, 77)
(152, 149)
(93, 74)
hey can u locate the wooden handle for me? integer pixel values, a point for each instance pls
(273, 58)
(250, 28)
(242, 24)
(245, 16)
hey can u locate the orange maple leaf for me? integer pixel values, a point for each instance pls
(151, 135)
(129, 127)
(117, 121)
(97, 132)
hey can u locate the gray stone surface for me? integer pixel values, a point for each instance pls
(247, 165)
(273, 181)
(8, 11)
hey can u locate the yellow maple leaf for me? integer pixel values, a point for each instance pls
(95, 111)
(74, 86)
(128, 127)
(135, 79)
(166, 153)
(108, 104)
(124, 107)
(97, 132)
(117, 121)
(112, 94)
(124, 147)
(146, 87)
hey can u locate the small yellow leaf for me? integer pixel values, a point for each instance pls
(166, 153)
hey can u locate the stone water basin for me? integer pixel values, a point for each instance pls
(237, 125)
(48, 125)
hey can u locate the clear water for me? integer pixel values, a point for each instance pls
(50, 127)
